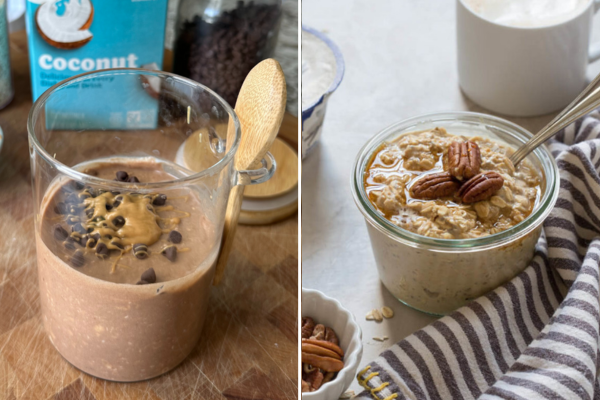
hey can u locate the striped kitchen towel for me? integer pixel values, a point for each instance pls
(536, 337)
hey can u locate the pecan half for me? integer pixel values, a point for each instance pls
(305, 386)
(481, 187)
(319, 351)
(327, 364)
(464, 160)
(330, 336)
(327, 345)
(434, 186)
(308, 324)
(318, 332)
(314, 380)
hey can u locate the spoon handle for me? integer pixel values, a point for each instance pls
(587, 101)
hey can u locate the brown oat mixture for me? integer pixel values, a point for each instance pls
(396, 166)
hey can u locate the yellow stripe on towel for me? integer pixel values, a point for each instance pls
(363, 383)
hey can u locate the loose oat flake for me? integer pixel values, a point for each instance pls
(387, 312)
(374, 315)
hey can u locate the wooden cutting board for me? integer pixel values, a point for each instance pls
(248, 348)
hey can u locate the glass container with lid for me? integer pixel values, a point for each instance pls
(218, 42)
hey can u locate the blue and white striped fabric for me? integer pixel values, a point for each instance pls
(536, 337)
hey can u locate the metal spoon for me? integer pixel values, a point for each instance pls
(587, 101)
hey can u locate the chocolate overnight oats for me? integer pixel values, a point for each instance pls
(421, 182)
(124, 275)
(449, 217)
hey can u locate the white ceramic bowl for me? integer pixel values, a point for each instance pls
(329, 312)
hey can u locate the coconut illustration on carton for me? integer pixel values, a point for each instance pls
(64, 24)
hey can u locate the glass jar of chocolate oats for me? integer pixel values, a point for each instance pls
(218, 42)
(448, 215)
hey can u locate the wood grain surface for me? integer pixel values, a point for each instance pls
(248, 349)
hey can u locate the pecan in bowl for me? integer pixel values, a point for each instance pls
(322, 357)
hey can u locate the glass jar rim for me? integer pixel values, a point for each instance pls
(377, 220)
(80, 176)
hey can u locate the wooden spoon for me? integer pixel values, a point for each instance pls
(260, 107)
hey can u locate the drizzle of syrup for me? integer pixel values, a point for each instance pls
(376, 167)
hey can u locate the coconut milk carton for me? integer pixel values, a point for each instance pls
(70, 37)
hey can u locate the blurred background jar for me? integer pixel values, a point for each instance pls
(217, 42)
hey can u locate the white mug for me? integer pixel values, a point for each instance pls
(523, 71)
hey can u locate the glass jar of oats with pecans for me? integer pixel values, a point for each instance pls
(449, 217)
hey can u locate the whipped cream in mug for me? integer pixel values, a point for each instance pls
(527, 13)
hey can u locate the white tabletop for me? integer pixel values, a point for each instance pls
(400, 62)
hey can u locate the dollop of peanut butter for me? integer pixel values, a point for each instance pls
(141, 219)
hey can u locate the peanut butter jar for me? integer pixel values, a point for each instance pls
(434, 271)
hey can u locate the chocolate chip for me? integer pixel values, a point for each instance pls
(89, 190)
(101, 251)
(108, 207)
(174, 237)
(77, 260)
(60, 208)
(149, 275)
(77, 185)
(142, 283)
(140, 251)
(88, 242)
(117, 201)
(60, 233)
(160, 200)
(95, 236)
(122, 176)
(78, 228)
(119, 221)
(133, 179)
(170, 252)
(69, 243)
